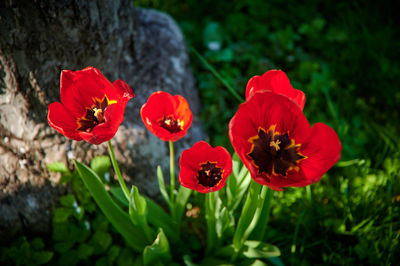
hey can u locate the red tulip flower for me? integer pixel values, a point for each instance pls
(274, 140)
(91, 107)
(166, 116)
(204, 168)
(277, 82)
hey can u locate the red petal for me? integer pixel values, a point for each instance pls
(78, 88)
(113, 117)
(62, 120)
(277, 82)
(323, 151)
(123, 90)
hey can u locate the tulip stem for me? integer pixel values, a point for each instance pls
(172, 170)
(117, 171)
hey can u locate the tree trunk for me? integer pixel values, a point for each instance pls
(38, 39)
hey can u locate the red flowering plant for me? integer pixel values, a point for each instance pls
(166, 116)
(275, 148)
(91, 107)
(274, 140)
(204, 168)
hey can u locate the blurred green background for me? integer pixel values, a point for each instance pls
(345, 56)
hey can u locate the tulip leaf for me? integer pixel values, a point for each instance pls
(155, 214)
(138, 212)
(121, 221)
(158, 252)
(259, 250)
(180, 204)
(249, 216)
(161, 184)
(252, 250)
(237, 183)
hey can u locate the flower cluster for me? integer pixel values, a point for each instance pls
(269, 132)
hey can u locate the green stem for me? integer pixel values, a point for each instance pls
(210, 219)
(212, 69)
(172, 170)
(117, 171)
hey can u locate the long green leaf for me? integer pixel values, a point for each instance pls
(118, 218)
(248, 218)
(161, 184)
(180, 204)
(158, 252)
(261, 227)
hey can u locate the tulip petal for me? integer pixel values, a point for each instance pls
(62, 120)
(277, 82)
(323, 151)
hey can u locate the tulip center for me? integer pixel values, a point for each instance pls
(171, 124)
(274, 153)
(94, 114)
(209, 174)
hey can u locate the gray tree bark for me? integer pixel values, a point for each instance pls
(38, 39)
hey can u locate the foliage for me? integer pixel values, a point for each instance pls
(343, 56)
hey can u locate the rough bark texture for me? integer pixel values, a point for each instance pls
(40, 38)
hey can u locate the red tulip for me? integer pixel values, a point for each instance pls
(204, 168)
(274, 140)
(91, 107)
(166, 116)
(277, 82)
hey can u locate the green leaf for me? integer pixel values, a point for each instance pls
(62, 214)
(258, 250)
(37, 244)
(57, 167)
(42, 257)
(118, 194)
(62, 247)
(121, 221)
(68, 200)
(158, 252)
(100, 164)
(101, 241)
(85, 251)
(155, 214)
(181, 200)
(248, 218)
(237, 183)
(160, 219)
(161, 184)
(137, 202)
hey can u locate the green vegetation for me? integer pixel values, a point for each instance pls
(345, 57)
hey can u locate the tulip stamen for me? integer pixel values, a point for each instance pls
(209, 175)
(273, 153)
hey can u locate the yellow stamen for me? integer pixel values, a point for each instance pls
(98, 113)
(275, 144)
